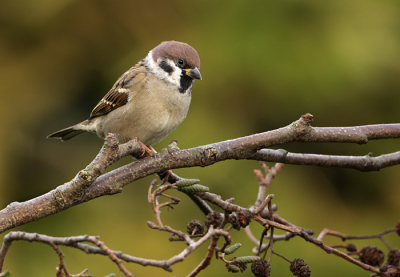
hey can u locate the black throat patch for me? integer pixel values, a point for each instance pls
(186, 82)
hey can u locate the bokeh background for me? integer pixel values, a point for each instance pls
(264, 64)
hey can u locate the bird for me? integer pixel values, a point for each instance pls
(148, 101)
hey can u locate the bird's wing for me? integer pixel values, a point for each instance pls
(118, 94)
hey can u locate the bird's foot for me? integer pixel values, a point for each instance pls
(146, 151)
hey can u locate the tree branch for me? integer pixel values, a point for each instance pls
(362, 163)
(262, 212)
(88, 184)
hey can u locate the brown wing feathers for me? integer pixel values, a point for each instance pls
(115, 98)
(112, 100)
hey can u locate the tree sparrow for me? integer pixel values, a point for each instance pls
(148, 101)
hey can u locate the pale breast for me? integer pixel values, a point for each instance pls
(155, 108)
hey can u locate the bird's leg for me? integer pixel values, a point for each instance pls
(146, 151)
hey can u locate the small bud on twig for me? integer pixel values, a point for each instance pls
(261, 268)
(195, 227)
(214, 219)
(299, 268)
(371, 255)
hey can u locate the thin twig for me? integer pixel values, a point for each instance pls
(344, 237)
(207, 259)
(264, 203)
(62, 266)
(112, 256)
(307, 237)
(283, 257)
(152, 198)
(264, 181)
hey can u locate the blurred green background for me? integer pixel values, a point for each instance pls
(264, 64)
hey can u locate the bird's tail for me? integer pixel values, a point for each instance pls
(66, 134)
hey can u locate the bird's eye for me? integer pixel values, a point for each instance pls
(180, 63)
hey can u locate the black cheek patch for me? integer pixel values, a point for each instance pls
(166, 67)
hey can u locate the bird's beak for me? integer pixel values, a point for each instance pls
(193, 73)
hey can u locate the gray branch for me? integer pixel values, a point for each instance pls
(89, 183)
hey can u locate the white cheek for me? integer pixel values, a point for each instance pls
(173, 78)
(176, 76)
